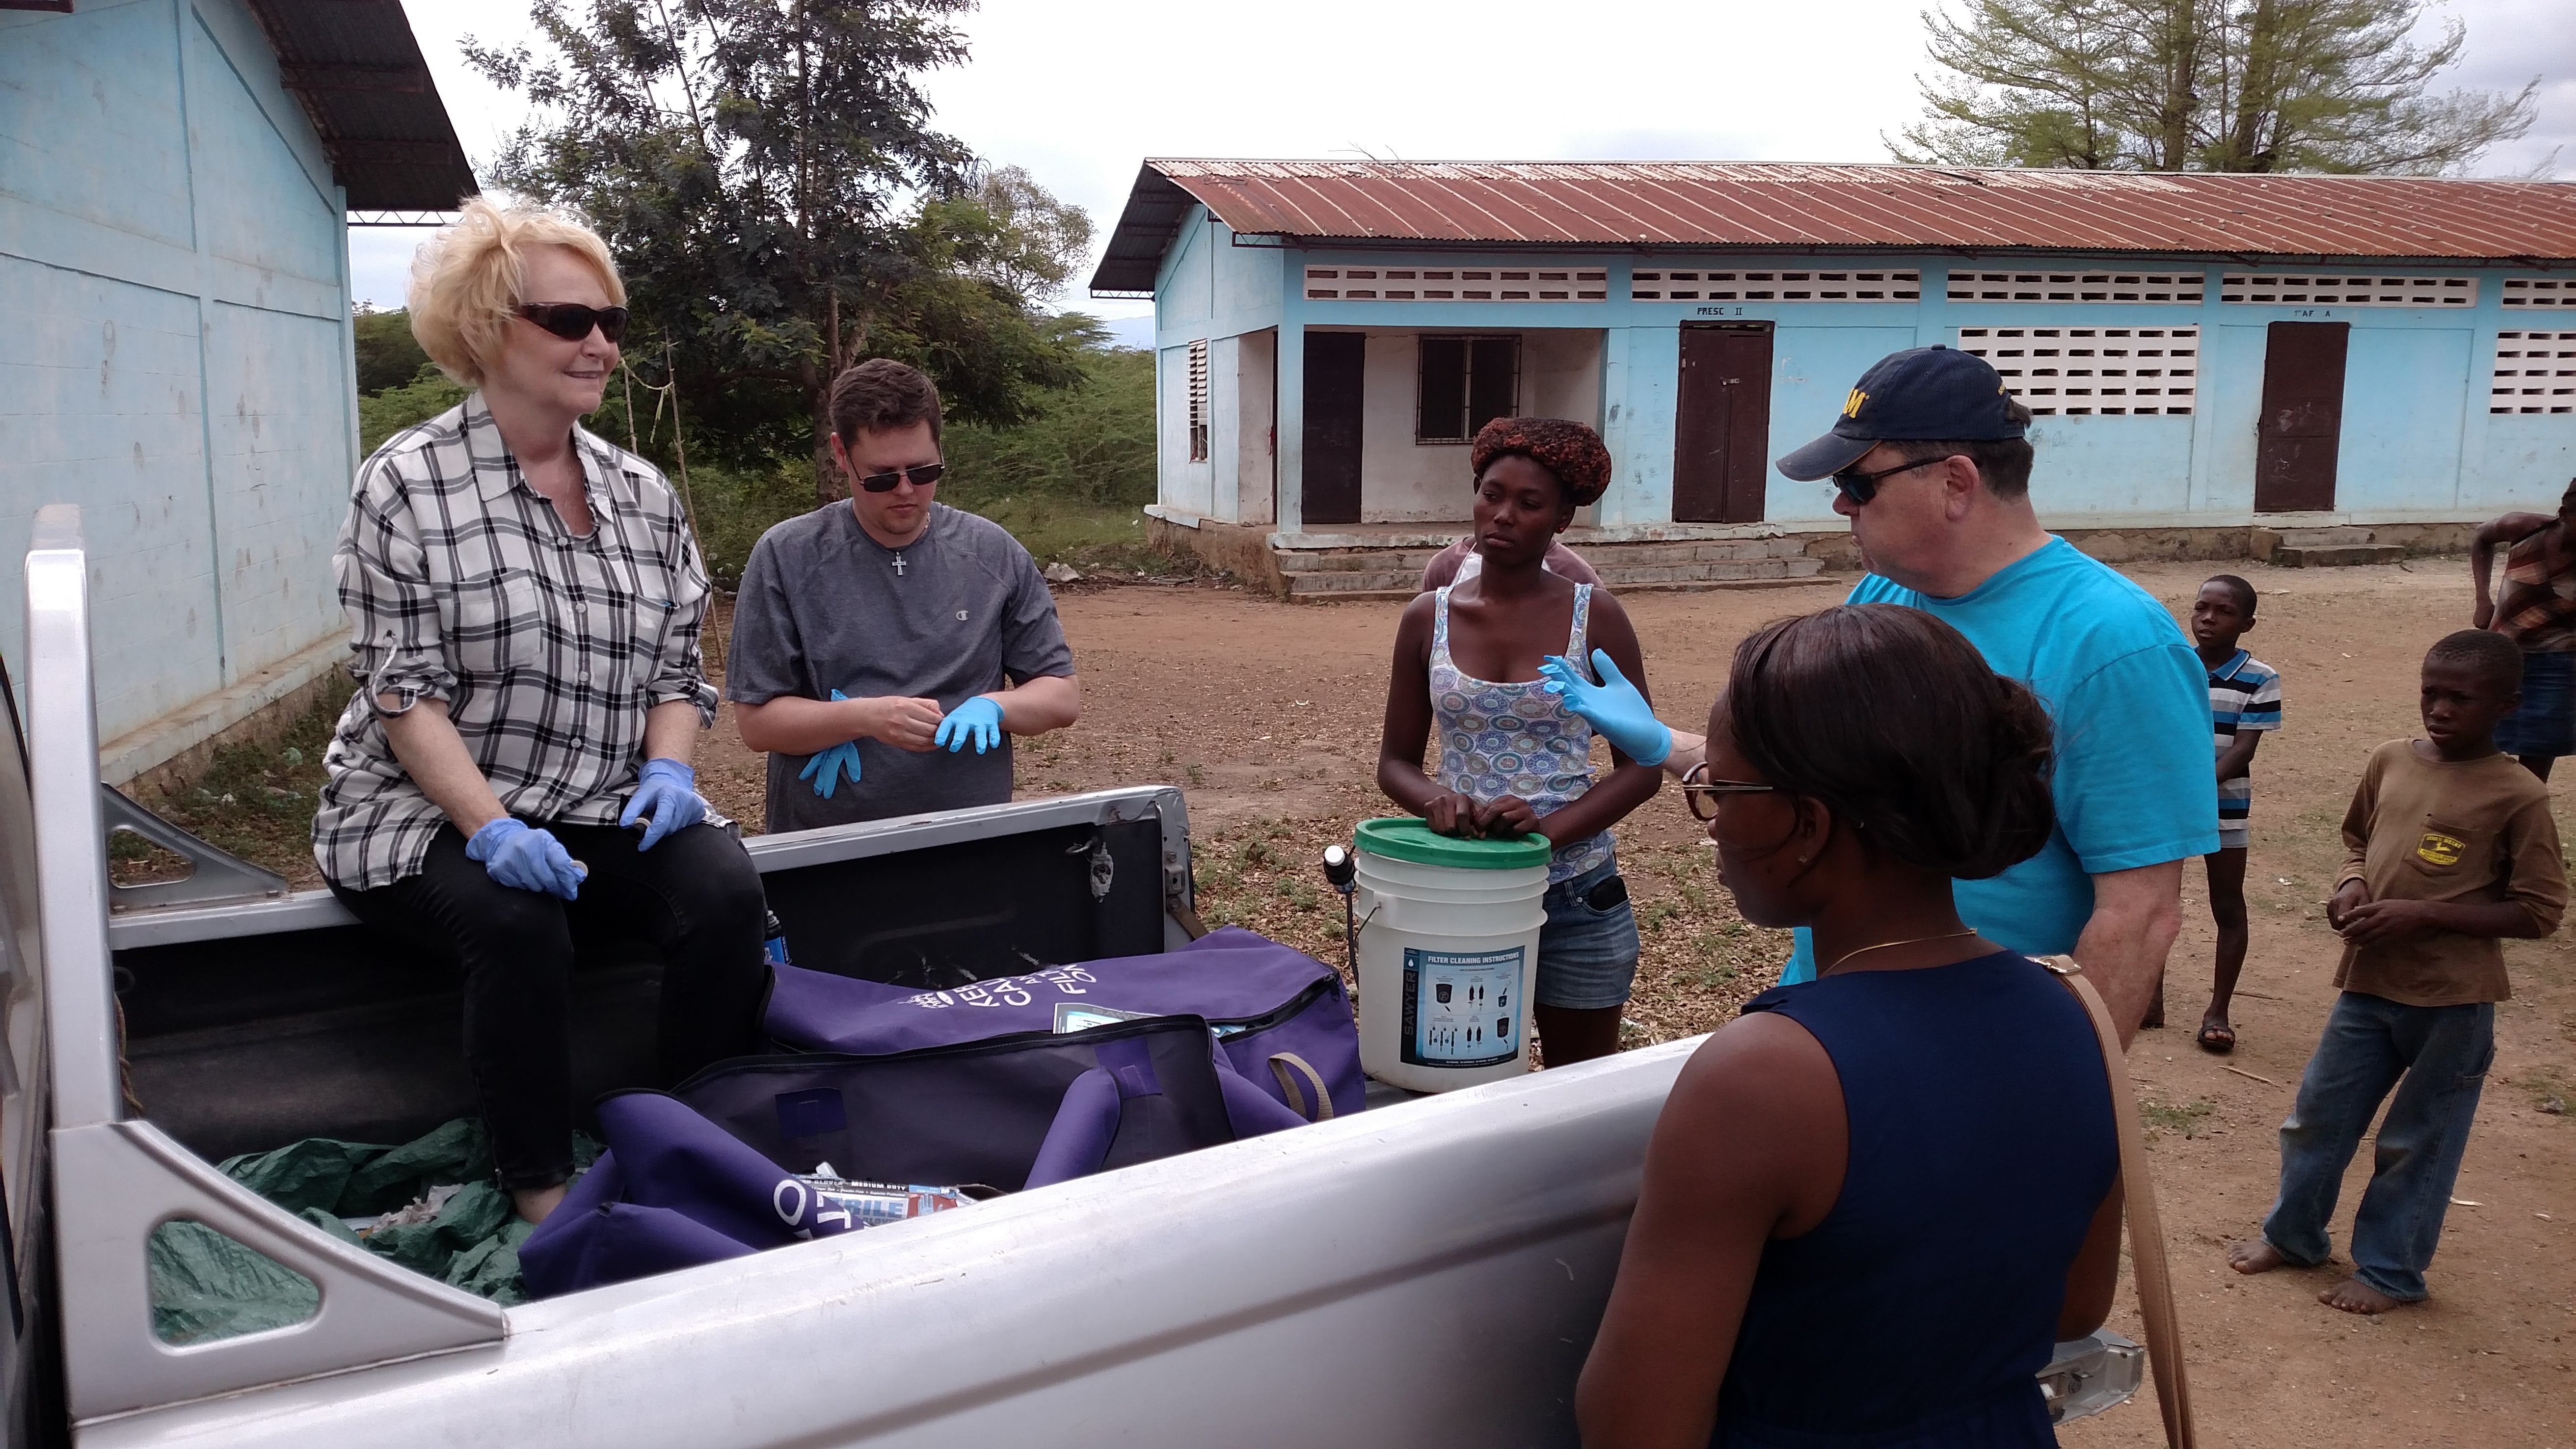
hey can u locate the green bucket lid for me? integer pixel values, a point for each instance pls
(1402, 837)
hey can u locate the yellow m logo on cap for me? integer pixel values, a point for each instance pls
(1851, 404)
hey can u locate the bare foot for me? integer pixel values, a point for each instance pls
(2255, 1256)
(535, 1203)
(2354, 1296)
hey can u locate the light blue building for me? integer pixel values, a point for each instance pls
(176, 179)
(2206, 354)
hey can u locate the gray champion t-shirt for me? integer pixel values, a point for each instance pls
(824, 607)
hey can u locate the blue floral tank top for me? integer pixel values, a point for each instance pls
(1517, 739)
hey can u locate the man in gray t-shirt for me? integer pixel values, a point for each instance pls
(934, 624)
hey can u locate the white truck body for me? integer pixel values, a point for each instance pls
(1428, 1272)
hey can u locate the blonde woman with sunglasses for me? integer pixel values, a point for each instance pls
(524, 601)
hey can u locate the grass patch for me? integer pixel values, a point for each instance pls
(2184, 1120)
(255, 800)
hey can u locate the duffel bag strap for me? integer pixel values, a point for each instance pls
(2146, 1231)
(1288, 1067)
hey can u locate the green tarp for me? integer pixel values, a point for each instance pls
(206, 1286)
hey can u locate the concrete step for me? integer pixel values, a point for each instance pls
(1343, 581)
(2332, 555)
(1627, 575)
(1352, 585)
(1339, 560)
(1603, 555)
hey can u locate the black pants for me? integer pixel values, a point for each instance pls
(695, 896)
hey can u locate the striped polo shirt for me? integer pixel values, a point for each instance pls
(2244, 694)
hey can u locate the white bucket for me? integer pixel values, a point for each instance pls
(1448, 950)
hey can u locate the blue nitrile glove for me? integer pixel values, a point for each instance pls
(824, 767)
(522, 857)
(667, 791)
(980, 717)
(1614, 707)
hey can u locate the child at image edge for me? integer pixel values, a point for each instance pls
(2449, 847)
(2244, 705)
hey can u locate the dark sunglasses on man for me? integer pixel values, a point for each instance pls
(1861, 487)
(920, 474)
(572, 321)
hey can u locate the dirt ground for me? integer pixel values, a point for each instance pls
(1268, 713)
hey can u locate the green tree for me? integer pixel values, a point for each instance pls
(2202, 85)
(768, 178)
(388, 356)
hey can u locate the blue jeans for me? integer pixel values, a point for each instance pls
(2370, 1042)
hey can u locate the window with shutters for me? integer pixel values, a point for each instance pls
(2142, 288)
(2119, 371)
(2540, 292)
(1199, 401)
(1466, 382)
(2281, 289)
(1694, 285)
(2535, 372)
(1456, 284)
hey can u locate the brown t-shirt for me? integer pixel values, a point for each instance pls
(2433, 830)
(1561, 561)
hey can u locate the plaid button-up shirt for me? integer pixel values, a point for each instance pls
(462, 585)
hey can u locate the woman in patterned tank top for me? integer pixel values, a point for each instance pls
(1512, 759)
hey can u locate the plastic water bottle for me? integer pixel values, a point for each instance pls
(773, 942)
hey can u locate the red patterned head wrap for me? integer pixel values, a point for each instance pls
(1567, 449)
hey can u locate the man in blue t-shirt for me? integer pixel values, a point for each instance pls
(1931, 466)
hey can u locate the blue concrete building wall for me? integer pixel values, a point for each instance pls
(2418, 443)
(174, 342)
(1211, 290)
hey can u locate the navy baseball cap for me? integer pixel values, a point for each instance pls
(1920, 394)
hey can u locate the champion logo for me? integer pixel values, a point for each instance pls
(961, 616)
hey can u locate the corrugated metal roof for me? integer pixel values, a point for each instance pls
(359, 74)
(1760, 205)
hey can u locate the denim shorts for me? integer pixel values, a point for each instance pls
(2545, 724)
(1587, 951)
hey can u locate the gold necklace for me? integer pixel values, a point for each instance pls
(1883, 945)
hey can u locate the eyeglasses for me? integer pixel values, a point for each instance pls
(1862, 487)
(920, 474)
(572, 321)
(1704, 793)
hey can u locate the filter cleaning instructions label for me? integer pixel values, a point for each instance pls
(1462, 1008)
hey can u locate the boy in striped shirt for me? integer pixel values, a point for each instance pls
(2244, 705)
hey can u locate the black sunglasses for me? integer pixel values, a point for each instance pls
(1704, 793)
(1862, 487)
(921, 474)
(572, 321)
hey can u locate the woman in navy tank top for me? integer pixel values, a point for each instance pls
(1916, 1149)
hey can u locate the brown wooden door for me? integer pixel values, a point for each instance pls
(2294, 458)
(1723, 433)
(1334, 390)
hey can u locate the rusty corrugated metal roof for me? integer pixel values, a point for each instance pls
(358, 71)
(1761, 205)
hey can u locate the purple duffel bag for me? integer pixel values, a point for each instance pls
(1280, 1016)
(712, 1169)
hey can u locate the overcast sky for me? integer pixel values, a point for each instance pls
(1079, 94)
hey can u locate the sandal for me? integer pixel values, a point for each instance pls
(2216, 1039)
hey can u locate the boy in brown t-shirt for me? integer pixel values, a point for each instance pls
(2449, 847)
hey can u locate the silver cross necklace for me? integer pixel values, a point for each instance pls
(898, 563)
